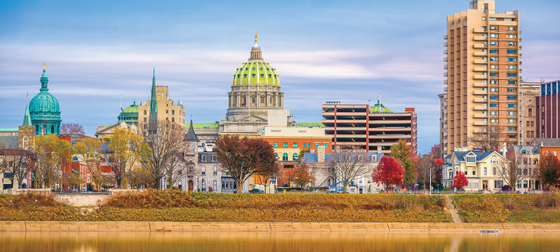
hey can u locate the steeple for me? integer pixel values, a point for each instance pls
(153, 118)
(256, 53)
(191, 135)
(44, 79)
(27, 116)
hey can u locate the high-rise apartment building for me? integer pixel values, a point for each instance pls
(483, 67)
(528, 92)
(548, 119)
(443, 121)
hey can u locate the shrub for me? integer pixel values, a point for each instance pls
(546, 200)
(150, 199)
(506, 188)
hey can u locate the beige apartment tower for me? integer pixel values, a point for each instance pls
(483, 73)
(166, 109)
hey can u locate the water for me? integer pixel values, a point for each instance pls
(276, 241)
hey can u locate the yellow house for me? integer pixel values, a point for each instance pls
(482, 170)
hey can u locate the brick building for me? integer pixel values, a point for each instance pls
(547, 110)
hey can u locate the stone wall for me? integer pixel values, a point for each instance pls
(81, 199)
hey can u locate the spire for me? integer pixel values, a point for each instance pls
(256, 53)
(153, 118)
(191, 135)
(44, 79)
(27, 116)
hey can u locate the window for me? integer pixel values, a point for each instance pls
(215, 171)
(511, 74)
(511, 97)
(245, 76)
(512, 128)
(512, 90)
(471, 159)
(511, 67)
(494, 66)
(512, 82)
(498, 183)
(494, 105)
(494, 89)
(295, 157)
(493, 28)
(276, 154)
(285, 157)
(493, 35)
(475, 184)
(511, 36)
(214, 185)
(494, 58)
(494, 51)
(494, 120)
(326, 145)
(304, 145)
(511, 28)
(203, 170)
(203, 185)
(493, 97)
(493, 112)
(214, 158)
(203, 158)
(493, 82)
(284, 145)
(25, 142)
(373, 158)
(494, 160)
(512, 51)
(511, 105)
(485, 171)
(317, 145)
(512, 59)
(511, 43)
(294, 145)
(511, 113)
(275, 145)
(494, 170)
(492, 19)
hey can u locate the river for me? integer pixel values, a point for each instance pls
(276, 241)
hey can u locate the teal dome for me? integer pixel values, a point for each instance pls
(379, 108)
(129, 115)
(45, 110)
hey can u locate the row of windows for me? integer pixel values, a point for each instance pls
(508, 75)
(495, 105)
(305, 145)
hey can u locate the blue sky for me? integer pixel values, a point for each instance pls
(349, 51)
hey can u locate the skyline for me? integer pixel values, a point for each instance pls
(350, 52)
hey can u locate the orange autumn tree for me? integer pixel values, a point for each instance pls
(460, 180)
(388, 172)
(303, 176)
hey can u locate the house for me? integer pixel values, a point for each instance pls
(480, 168)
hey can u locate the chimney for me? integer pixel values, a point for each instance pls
(504, 150)
(321, 154)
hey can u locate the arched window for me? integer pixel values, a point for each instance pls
(203, 158)
(285, 157)
(295, 156)
(215, 170)
(203, 185)
(44, 130)
(203, 169)
(215, 185)
(373, 158)
(25, 142)
(52, 129)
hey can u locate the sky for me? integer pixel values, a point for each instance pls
(347, 51)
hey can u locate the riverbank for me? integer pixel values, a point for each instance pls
(137, 226)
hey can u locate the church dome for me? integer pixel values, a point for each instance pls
(256, 71)
(130, 114)
(44, 104)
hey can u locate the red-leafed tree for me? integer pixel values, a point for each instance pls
(303, 176)
(548, 170)
(388, 172)
(460, 180)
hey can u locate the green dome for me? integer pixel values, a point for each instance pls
(379, 108)
(256, 72)
(132, 109)
(129, 115)
(44, 105)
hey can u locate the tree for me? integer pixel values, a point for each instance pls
(548, 169)
(426, 170)
(93, 152)
(72, 129)
(435, 151)
(388, 172)
(17, 162)
(489, 138)
(512, 171)
(460, 180)
(347, 165)
(139, 178)
(244, 157)
(52, 153)
(303, 175)
(266, 174)
(401, 151)
(73, 179)
(127, 149)
(166, 143)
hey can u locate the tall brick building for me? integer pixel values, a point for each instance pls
(547, 110)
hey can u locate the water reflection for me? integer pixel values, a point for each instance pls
(275, 241)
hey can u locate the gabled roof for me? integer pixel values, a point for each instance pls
(547, 142)
(479, 155)
(191, 135)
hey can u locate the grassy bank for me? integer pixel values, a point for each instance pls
(172, 205)
(514, 208)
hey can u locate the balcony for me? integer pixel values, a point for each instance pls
(479, 77)
(520, 47)
(445, 74)
(479, 46)
(445, 36)
(520, 39)
(478, 30)
(479, 54)
(444, 51)
(479, 61)
(479, 108)
(480, 69)
(520, 70)
(445, 82)
(445, 59)
(479, 123)
(445, 89)
(520, 32)
(480, 92)
(445, 44)
(480, 100)
(520, 55)
(479, 115)
(445, 66)
(479, 38)
(479, 84)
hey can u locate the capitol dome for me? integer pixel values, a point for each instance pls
(45, 110)
(256, 71)
(379, 108)
(129, 115)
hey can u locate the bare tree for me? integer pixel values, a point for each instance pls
(127, 149)
(72, 129)
(512, 171)
(244, 157)
(425, 168)
(175, 171)
(165, 142)
(347, 165)
(139, 178)
(17, 162)
(489, 138)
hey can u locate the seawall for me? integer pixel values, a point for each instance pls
(133, 226)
